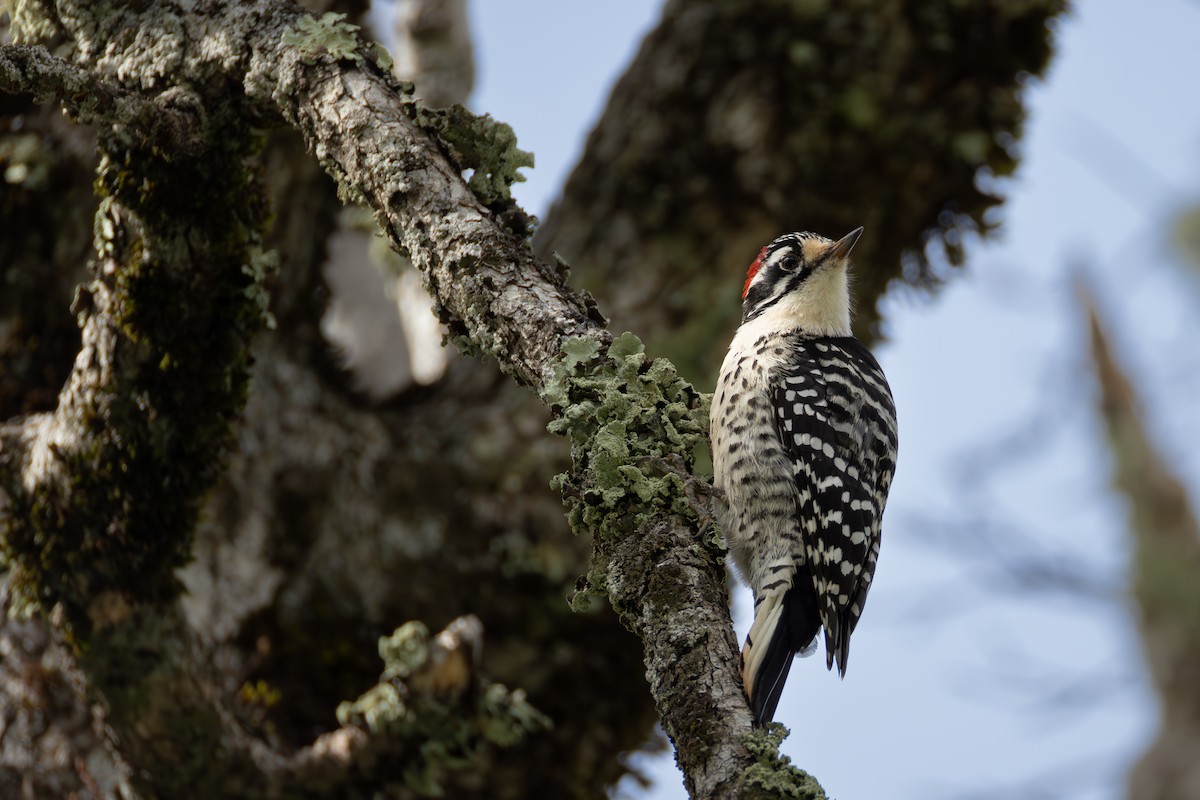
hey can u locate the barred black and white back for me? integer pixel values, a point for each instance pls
(804, 447)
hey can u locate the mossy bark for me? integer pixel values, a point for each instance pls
(147, 412)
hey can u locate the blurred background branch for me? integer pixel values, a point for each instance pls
(1165, 575)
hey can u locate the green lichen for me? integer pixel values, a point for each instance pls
(382, 57)
(772, 775)
(477, 144)
(331, 36)
(634, 425)
(485, 146)
(442, 738)
(405, 651)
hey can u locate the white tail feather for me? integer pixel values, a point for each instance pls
(766, 619)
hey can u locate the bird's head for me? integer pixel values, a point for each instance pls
(800, 278)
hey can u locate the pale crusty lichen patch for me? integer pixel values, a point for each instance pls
(772, 775)
(634, 426)
(440, 732)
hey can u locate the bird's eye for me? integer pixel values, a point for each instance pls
(788, 263)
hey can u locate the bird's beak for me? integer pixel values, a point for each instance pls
(842, 247)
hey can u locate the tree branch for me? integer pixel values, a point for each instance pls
(430, 693)
(118, 468)
(174, 120)
(495, 295)
(509, 306)
(176, 293)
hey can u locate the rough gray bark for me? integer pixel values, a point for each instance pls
(320, 511)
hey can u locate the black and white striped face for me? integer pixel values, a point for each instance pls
(803, 275)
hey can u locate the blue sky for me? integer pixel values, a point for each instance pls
(964, 685)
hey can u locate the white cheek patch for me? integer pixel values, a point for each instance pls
(820, 307)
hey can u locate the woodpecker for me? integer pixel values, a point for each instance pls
(804, 446)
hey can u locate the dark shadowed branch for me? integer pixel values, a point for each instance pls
(174, 120)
